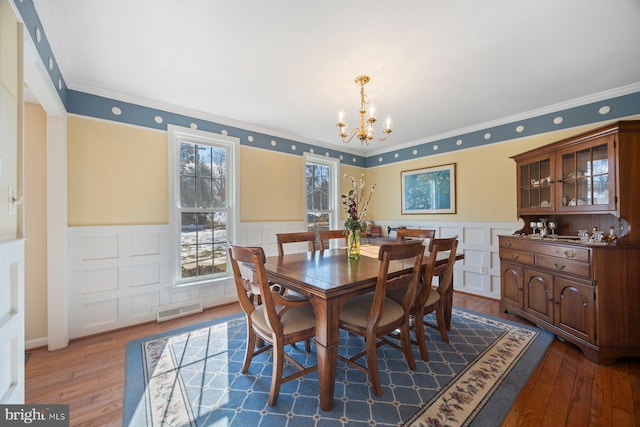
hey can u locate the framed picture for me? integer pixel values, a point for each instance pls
(430, 190)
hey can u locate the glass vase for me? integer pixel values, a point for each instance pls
(354, 244)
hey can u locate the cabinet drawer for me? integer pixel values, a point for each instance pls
(568, 252)
(564, 265)
(517, 244)
(517, 256)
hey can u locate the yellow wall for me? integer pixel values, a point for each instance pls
(117, 174)
(270, 186)
(35, 213)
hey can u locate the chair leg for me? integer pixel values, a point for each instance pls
(251, 346)
(307, 345)
(418, 325)
(406, 346)
(276, 375)
(442, 327)
(372, 365)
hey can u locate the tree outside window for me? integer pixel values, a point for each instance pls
(203, 172)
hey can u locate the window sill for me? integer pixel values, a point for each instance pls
(202, 283)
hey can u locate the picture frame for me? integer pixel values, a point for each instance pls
(429, 190)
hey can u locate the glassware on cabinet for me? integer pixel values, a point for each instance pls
(534, 226)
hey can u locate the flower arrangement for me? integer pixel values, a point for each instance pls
(356, 204)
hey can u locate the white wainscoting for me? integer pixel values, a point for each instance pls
(117, 276)
(121, 275)
(479, 272)
(12, 322)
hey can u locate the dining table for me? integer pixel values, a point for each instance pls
(329, 279)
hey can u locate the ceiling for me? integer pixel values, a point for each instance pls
(288, 66)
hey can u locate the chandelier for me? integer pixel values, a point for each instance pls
(365, 132)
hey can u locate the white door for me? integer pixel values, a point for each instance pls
(11, 215)
(12, 322)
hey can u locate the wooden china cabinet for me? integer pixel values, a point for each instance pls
(585, 292)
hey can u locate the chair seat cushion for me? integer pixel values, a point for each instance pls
(356, 311)
(434, 297)
(293, 320)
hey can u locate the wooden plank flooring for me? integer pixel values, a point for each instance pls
(565, 389)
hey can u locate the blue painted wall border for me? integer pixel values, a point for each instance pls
(86, 104)
(616, 108)
(33, 25)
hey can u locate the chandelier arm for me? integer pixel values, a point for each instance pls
(349, 137)
(375, 135)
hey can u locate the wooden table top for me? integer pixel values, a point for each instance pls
(330, 273)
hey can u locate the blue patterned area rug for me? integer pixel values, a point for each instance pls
(191, 377)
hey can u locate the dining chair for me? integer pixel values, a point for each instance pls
(429, 299)
(296, 237)
(405, 234)
(327, 235)
(278, 321)
(374, 315)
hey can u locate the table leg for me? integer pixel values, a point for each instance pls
(327, 341)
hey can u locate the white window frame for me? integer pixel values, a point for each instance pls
(175, 135)
(334, 167)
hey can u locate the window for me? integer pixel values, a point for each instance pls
(202, 203)
(321, 193)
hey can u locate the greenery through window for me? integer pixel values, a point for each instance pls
(319, 195)
(204, 209)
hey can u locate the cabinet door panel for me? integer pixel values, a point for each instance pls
(539, 294)
(575, 310)
(586, 184)
(535, 188)
(511, 285)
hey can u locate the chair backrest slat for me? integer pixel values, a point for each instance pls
(403, 286)
(297, 237)
(436, 247)
(325, 235)
(445, 245)
(254, 259)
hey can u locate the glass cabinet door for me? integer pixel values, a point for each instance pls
(586, 184)
(535, 186)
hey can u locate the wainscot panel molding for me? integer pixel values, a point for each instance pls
(117, 276)
(264, 234)
(479, 272)
(120, 275)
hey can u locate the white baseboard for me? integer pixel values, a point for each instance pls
(36, 343)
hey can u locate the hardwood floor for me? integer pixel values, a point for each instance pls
(565, 389)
